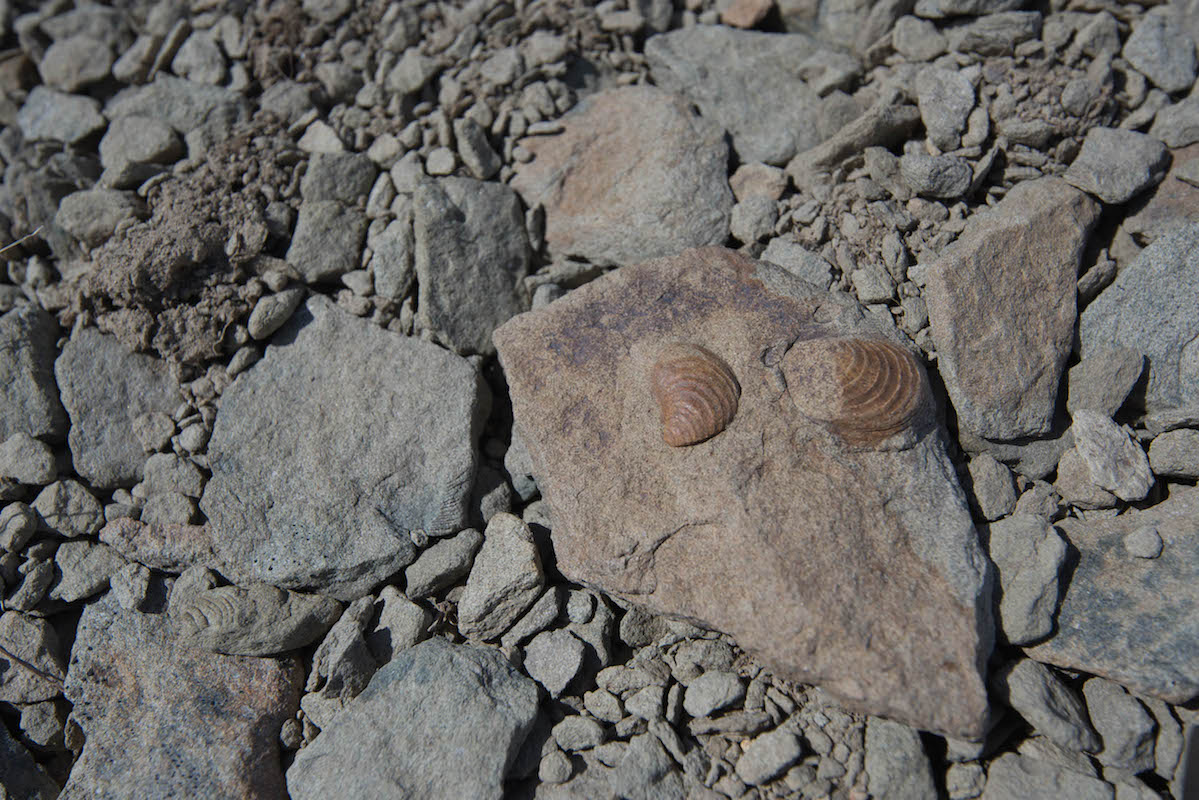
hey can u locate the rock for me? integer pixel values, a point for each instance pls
(154, 430)
(540, 616)
(758, 179)
(991, 483)
(131, 586)
(343, 664)
(1123, 724)
(411, 72)
(402, 624)
(1136, 312)
(92, 215)
(1001, 303)
(38, 673)
(29, 403)
(1177, 125)
(169, 548)
(77, 61)
(896, 765)
(1116, 461)
(1176, 453)
(200, 59)
(138, 140)
(994, 34)
(468, 234)
(943, 177)
(768, 756)
(746, 13)
(105, 388)
(191, 735)
(882, 125)
(84, 569)
(319, 137)
(505, 580)
(753, 219)
(938, 9)
(553, 659)
(800, 262)
(168, 509)
(398, 456)
(20, 774)
(474, 149)
(597, 209)
(1045, 702)
(1162, 51)
(945, 100)
(655, 520)
(432, 699)
(745, 82)
(1115, 165)
(1144, 543)
(442, 564)
(69, 509)
(1129, 619)
(872, 284)
(18, 524)
(167, 472)
(1101, 382)
(327, 242)
(184, 105)
(1028, 556)
(646, 771)
(576, 733)
(27, 460)
(1077, 486)
(1015, 777)
(69, 118)
(272, 310)
(712, 691)
(344, 177)
(257, 620)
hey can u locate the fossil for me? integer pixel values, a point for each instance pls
(696, 392)
(864, 390)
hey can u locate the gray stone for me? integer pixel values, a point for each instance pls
(402, 624)
(965, 781)
(77, 61)
(411, 72)
(92, 215)
(1176, 453)
(768, 755)
(18, 523)
(945, 100)
(184, 105)
(937, 9)
(994, 34)
(69, 509)
(167, 472)
(577, 732)
(1177, 125)
(943, 177)
(1017, 777)
(753, 219)
(104, 388)
(799, 261)
(27, 460)
(1162, 51)
(884, 124)
(599, 210)
(916, 39)
(1033, 691)
(1028, 555)
(441, 161)
(896, 765)
(713, 691)
(399, 454)
(873, 284)
(1116, 461)
(555, 767)
(430, 700)
(757, 178)
(1115, 164)
(1130, 619)
(38, 670)
(468, 234)
(1077, 486)
(1101, 381)
(85, 568)
(167, 509)
(1144, 542)
(154, 430)
(35, 580)
(992, 486)
(342, 666)
(539, 617)
(442, 564)
(69, 118)
(1126, 728)
(191, 735)
(29, 403)
(505, 580)
(393, 259)
(327, 242)
(646, 772)
(1027, 251)
(474, 149)
(130, 586)
(554, 659)
(20, 775)
(1141, 311)
(272, 310)
(746, 82)
(200, 59)
(344, 177)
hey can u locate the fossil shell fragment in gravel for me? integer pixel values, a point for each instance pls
(864, 390)
(696, 392)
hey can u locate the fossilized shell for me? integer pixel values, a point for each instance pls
(696, 392)
(865, 390)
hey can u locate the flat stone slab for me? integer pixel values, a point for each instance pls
(841, 559)
(1130, 619)
(337, 444)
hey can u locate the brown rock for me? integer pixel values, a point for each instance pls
(1001, 303)
(634, 174)
(165, 720)
(852, 566)
(746, 13)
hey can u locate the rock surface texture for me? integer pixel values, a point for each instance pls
(663, 526)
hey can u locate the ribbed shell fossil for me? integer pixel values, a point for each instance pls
(696, 392)
(865, 390)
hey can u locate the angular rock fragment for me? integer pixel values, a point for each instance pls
(505, 580)
(1115, 164)
(327, 242)
(1001, 303)
(29, 403)
(1176, 453)
(27, 460)
(896, 764)
(1049, 705)
(661, 526)
(442, 564)
(68, 509)
(1162, 51)
(1123, 724)
(31, 663)
(1016, 777)
(84, 569)
(1101, 382)
(20, 775)
(945, 100)
(169, 548)
(1117, 463)
(598, 209)
(1028, 555)
(399, 454)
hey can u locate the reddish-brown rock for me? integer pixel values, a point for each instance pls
(849, 564)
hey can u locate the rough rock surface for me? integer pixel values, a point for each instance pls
(105, 388)
(896, 764)
(1115, 165)
(431, 700)
(1129, 619)
(29, 403)
(161, 719)
(1001, 303)
(1014, 777)
(505, 580)
(1028, 555)
(664, 525)
(599, 209)
(398, 456)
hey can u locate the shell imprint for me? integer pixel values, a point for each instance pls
(866, 390)
(696, 392)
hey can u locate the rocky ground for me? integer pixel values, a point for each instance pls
(277, 518)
